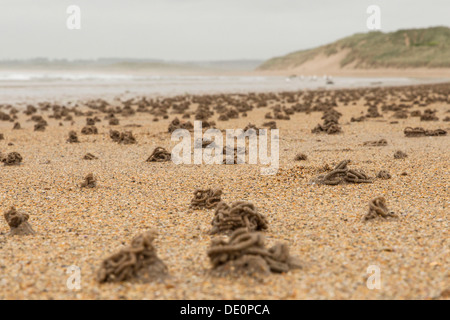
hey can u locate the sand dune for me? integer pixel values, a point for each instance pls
(331, 66)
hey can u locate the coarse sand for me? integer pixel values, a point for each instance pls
(321, 224)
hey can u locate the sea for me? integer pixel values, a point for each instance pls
(23, 87)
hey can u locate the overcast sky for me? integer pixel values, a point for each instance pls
(197, 29)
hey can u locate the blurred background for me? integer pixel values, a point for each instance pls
(173, 46)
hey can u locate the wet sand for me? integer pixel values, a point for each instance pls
(320, 223)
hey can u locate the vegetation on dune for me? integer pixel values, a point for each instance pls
(412, 48)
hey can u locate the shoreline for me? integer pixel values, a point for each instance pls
(309, 70)
(64, 87)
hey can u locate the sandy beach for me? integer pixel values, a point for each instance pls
(321, 224)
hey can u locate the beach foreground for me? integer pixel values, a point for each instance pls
(321, 224)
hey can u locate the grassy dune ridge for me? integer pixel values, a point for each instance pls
(412, 48)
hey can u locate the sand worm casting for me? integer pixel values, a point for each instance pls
(245, 253)
(208, 198)
(239, 215)
(138, 262)
(18, 222)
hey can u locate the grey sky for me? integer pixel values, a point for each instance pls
(197, 29)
